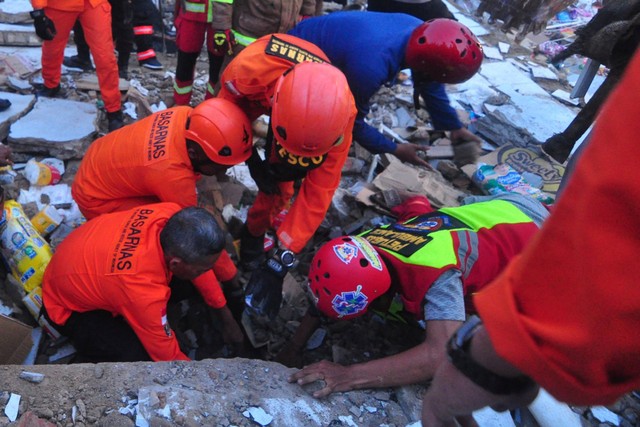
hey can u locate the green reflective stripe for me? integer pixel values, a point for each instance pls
(181, 90)
(242, 39)
(195, 7)
(487, 214)
(224, 1)
(210, 88)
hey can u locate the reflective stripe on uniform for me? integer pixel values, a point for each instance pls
(143, 30)
(195, 7)
(224, 1)
(149, 53)
(181, 90)
(242, 39)
(210, 88)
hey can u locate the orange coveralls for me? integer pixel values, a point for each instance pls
(95, 16)
(567, 312)
(249, 81)
(144, 162)
(115, 263)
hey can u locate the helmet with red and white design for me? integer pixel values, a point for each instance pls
(346, 274)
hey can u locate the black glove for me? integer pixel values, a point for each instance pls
(43, 25)
(223, 42)
(262, 174)
(263, 295)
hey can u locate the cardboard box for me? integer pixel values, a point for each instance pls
(15, 341)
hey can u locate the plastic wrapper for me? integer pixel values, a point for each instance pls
(502, 178)
(23, 248)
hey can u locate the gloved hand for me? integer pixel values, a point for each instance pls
(262, 174)
(45, 29)
(263, 294)
(223, 41)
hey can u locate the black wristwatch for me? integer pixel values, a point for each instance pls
(286, 257)
(458, 350)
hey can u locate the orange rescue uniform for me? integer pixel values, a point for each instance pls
(144, 162)
(567, 312)
(115, 263)
(249, 81)
(95, 17)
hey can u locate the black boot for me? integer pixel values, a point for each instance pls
(48, 92)
(116, 120)
(77, 63)
(251, 250)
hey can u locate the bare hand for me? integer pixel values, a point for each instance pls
(409, 153)
(335, 377)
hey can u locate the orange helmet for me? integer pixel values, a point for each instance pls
(223, 131)
(444, 50)
(346, 274)
(312, 105)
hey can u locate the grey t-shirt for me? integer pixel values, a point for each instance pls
(444, 299)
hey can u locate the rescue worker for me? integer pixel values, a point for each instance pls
(565, 314)
(159, 159)
(197, 22)
(312, 114)
(108, 284)
(253, 19)
(372, 48)
(53, 20)
(434, 261)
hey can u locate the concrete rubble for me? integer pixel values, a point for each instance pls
(514, 103)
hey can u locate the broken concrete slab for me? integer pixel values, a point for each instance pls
(20, 105)
(532, 114)
(18, 35)
(15, 12)
(55, 128)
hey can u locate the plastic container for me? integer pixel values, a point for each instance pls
(46, 172)
(46, 220)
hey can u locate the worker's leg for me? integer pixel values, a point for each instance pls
(96, 22)
(143, 16)
(215, 65)
(122, 30)
(53, 50)
(189, 39)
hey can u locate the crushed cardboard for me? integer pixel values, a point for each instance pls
(417, 180)
(15, 341)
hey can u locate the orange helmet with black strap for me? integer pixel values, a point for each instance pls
(346, 275)
(443, 50)
(223, 131)
(312, 106)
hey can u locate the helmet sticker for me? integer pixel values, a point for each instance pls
(369, 253)
(350, 303)
(345, 252)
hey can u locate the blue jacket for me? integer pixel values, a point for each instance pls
(368, 47)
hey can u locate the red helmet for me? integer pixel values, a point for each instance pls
(223, 131)
(312, 105)
(444, 50)
(346, 274)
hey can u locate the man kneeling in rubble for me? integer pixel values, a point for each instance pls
(434, 260)
(109, 282)
(159, 159)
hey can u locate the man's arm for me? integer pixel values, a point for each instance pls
(452, 394)
(415, 365)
